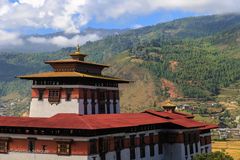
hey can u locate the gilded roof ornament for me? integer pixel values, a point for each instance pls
(78, 49)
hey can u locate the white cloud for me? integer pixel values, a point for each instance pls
(9, 38)
(33, 3)
(137, 26)
(62, 41)
(71, 15)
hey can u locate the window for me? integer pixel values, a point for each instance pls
(93, 146)
(160, 143)
(68, 94)
(54, 95)
(132, 147)
(118, 155)
(63, 148)
(3, 146)
(191, 148)
(142, 146)
(31, 145)
(196, 147)
(114, 102)
(85, 101)
(186, 149)
(132, 140)
(202, 141)
(132, 153)
(151, 135)
(93, 101)
(103, 145)
(101, 102)
(118, 143)
(40, 94)
(44, 148)
(206, 149)
(108, 102)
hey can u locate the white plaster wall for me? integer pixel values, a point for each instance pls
(173, 151)
(45, 109)
(34, 156)
(111, 155)
(125, 154)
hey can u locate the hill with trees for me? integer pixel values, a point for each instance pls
(198, 56)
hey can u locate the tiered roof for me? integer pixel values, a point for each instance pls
(76, 67)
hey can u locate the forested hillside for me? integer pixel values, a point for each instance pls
(194, 57)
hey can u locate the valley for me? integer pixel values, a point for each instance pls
(193, 61)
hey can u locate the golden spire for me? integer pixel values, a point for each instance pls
(78, 49)
(77, 55)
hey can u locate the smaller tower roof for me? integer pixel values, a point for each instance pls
(168, 105)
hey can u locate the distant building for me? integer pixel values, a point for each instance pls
(75, 115)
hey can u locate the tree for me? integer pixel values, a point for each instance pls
(213, 156)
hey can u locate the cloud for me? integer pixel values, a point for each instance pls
(71, 15)
(10, 38)
(137, 26)
(62, 41)
(33, 3)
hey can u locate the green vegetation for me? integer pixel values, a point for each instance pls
(213, 156)
(199, 55)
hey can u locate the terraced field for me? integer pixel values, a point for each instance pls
(230, 147)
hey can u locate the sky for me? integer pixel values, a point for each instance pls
(27, 17)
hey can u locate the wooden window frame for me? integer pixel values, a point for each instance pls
(151, 145)
(64, 148)
(142, 146)
(3, 146)
(114, 101)
(93, 96)
(93, 146)
(69, 94)
(85, 101)
(160, 143)
(31, 145)
(54, 95)
(40, 94)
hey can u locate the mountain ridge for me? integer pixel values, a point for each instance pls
(211, 51)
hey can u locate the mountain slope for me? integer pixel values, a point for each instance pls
(198, 56)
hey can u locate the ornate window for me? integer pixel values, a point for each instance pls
(142, 146)
(93, 101)
(63, 148)
(151, 136)
(40, 94)
(93, 146)
(31, 144)
(132, 147)
(54, 95)
(68, 94)
(160, 142)
(114, 102)
(108, 102)
(85, 100)
(3, 146)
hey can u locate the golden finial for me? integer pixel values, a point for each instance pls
(78, 49)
